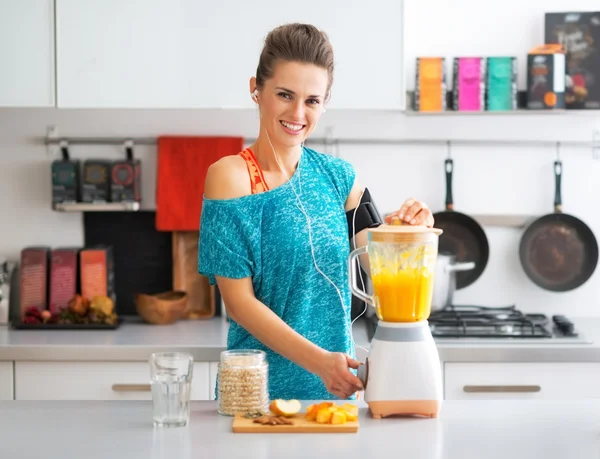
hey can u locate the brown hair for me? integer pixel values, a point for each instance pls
(295, 43)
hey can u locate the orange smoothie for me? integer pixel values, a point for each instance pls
(403, 296)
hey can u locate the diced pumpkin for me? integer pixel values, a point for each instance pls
(339, 417)
(311, 412)
(351, 411)
(324, 416)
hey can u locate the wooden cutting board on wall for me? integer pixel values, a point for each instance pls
(201, 296)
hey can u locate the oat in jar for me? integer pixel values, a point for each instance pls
(243, 382)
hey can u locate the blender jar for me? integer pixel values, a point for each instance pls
(402, 265)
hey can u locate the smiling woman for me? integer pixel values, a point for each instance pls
(274, 231)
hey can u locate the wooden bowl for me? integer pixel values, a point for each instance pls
(161, 308)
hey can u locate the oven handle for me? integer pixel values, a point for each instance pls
(502, 388)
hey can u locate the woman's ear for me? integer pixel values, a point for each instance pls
(253, 89)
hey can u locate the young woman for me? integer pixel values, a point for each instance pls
(274, 234)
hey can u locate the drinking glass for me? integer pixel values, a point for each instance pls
(171, 380)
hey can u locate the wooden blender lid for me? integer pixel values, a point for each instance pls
(391, 233)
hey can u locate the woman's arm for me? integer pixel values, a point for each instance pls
(245, 309)
(360, 238)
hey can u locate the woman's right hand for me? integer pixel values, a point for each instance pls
(335, 374)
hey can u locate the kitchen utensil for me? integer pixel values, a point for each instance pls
(444, 283)
(558, 251)
(171, 375)
(95, 181)
(300, 425)
(161, 308)
(462, 235)
(66, 186)
(402, 263)
(125, 178)
(201, 302)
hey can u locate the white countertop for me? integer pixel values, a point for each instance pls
(465, 430)
(205, 339)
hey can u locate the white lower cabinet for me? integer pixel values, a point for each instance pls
(94, 381)
(6, 381)
(213, 372)
(522, 380)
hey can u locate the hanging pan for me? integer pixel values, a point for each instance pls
(463, 236)
(558, 251)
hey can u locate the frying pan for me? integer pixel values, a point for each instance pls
(462, 236)
(558, 251)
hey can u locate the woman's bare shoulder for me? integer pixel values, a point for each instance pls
(227, 178)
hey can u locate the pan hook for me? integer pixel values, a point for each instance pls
(558, 151)
(449, 149)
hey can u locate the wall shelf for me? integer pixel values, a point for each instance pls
(98, 207)
(504, 221)
(521, 109)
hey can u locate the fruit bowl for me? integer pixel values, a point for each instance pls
(161, 308)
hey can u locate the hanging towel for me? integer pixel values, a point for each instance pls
(182, 165)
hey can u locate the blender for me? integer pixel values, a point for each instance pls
(402, 374)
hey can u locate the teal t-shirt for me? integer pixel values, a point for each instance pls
(266, 236)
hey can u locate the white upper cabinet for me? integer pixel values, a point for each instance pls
(202, 53)
(27, 53)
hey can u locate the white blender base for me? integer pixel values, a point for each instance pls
(403, 373)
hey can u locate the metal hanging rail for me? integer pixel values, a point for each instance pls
(341, 141)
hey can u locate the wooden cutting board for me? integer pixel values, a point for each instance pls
(301, 425)
(201, 296)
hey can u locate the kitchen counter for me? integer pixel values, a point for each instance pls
(464, 430)
(135, 340)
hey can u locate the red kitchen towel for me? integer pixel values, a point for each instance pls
(182, 165)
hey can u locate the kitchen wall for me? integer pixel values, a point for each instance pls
(494, 179)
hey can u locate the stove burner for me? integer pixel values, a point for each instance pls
(471, 321)
(481, 322)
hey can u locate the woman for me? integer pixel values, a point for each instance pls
(274, 234)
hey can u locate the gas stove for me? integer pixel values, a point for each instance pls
(483, 324)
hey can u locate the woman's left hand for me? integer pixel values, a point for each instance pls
(413, 212)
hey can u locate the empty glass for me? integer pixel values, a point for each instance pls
(171, 381)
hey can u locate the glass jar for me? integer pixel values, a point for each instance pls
(243, 379)
(402, 263)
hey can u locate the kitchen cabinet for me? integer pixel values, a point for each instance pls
(191, 54)
(213, 372)
(521, 380)
(94, 381)
(6, 381)
(27, 53)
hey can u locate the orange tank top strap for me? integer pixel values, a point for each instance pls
(257, 179)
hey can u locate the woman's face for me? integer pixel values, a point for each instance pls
(291, 102)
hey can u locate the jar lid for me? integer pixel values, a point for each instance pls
(243, 357)
(401, 233)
